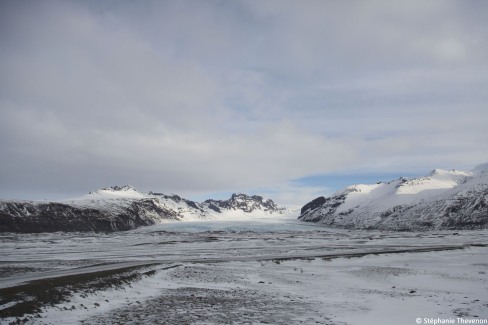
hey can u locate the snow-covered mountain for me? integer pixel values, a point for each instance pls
(123, 208)
(443, 199)
(245, 203)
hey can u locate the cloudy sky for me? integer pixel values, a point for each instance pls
(290, 99)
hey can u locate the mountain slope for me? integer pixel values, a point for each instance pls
(245, 203)
(122, 208)
(440, 200)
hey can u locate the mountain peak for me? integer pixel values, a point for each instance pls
(242, 196)
(119, 191)
(120, 188)
(244, 202)
(434, 172)
(443, 172)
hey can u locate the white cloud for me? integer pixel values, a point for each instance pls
(288, 194)
(195, 97)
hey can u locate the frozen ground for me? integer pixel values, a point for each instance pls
(263, 271)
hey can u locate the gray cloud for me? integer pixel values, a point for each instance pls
(208, 96)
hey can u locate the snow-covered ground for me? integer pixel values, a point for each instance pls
(272, 270)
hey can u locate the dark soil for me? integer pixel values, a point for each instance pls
(32, 296)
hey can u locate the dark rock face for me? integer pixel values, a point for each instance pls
(28, 217)
(321, 209)
(214, 207)
(313, 204)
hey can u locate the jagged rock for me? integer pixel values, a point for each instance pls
(245, 203)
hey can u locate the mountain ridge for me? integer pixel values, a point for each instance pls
(442, 199)
(119, 208)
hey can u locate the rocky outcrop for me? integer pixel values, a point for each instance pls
(314, 204)
(245, 203)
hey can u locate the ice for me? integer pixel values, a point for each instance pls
(265, 270)
(235, 222)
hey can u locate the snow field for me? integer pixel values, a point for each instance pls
(230, 273)
(374, 289)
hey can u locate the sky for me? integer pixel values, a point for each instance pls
(284, 98)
